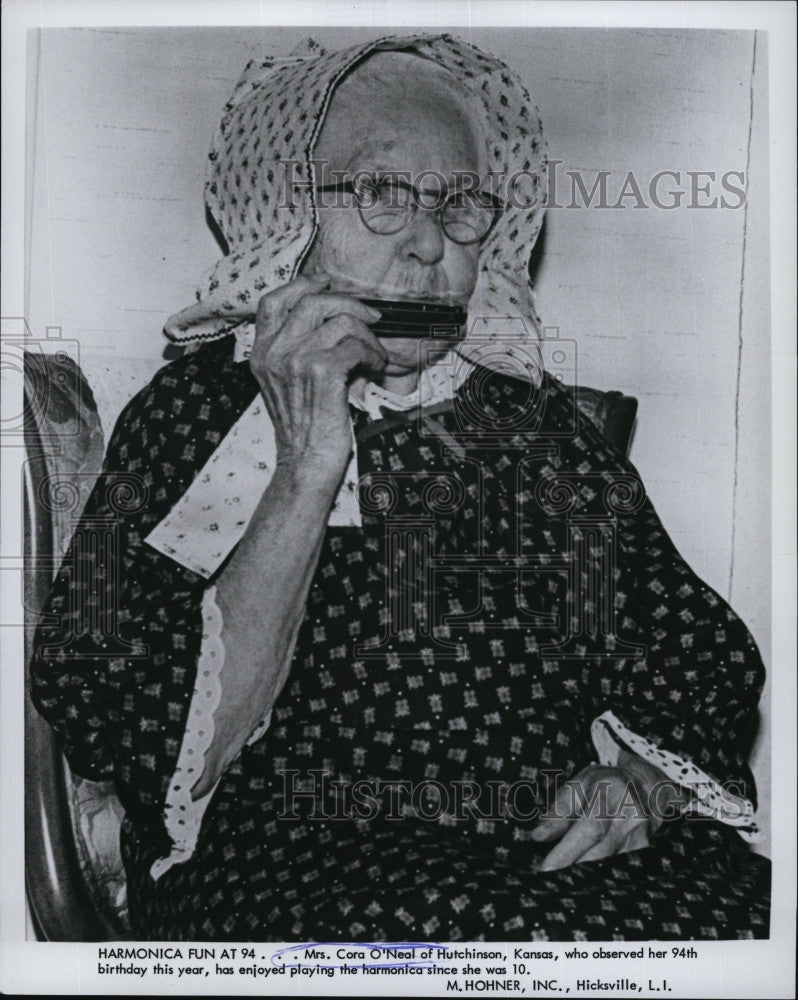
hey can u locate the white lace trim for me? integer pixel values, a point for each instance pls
(709, 798)
(182, 814)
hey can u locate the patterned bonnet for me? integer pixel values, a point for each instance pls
(259, 188)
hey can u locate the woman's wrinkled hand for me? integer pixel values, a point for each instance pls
(307, 343)
(607, 810)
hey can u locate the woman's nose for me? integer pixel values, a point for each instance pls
(424, 238)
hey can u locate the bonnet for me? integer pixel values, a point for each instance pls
(259, 182)
(259, 190)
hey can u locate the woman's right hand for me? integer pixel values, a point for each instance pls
(307, 343)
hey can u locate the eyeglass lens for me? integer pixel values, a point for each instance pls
(387, 206)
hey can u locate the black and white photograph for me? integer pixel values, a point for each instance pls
(393, 561)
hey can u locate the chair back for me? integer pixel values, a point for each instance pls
(74, 876)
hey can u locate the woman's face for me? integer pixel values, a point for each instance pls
(424, 131)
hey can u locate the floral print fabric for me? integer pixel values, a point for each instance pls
(455, 639)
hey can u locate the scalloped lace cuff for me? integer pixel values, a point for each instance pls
(709, 798)
(182, 814)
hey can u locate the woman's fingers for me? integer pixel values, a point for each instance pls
(352, 352)
(299, 320)
(348, 343)
(583, 835)
(611, 843)
(619, 839)
(636, 839)
(311, 310)
(550, 828)
(275, 306)
(590, 817)
(564, 810)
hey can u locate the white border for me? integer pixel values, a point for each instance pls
(751, 970)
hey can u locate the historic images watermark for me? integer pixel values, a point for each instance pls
(320, 795)
(667, 189)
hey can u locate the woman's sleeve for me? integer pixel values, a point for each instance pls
(114, 664)
(687, 699)
(182, 813)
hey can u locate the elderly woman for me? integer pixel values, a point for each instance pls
(401, 650)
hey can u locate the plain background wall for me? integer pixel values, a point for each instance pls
(669, 306)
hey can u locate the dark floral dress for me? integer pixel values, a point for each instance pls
(510, 585)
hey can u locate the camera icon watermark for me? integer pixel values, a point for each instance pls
(500, 350)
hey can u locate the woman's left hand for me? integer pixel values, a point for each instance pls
(607, 810)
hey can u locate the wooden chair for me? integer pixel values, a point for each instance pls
(73, 869)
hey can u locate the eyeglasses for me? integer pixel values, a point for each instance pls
(387, 204)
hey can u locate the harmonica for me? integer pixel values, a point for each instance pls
(404, 318)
